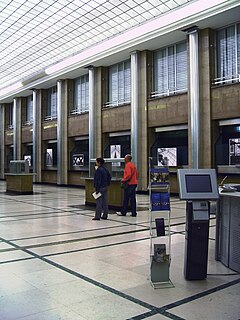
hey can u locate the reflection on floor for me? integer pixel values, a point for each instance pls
(56, 263)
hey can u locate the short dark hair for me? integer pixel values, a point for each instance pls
(100, 160)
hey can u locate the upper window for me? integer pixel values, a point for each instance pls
(119, 84)
(170, 70)
(81, 95)
(29, 110)
(9, 116)
(228, 55)
(51, 112)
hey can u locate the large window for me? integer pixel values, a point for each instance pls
(51, 112)
(29, 110)
(119, 84)
(9, 116)
(228, 55)
(170, 70)
(81, 95)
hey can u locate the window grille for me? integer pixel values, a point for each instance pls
(119, 84)
(170, 70)
(52, 104)
(228, 55)
(81, 95)
(29, 110)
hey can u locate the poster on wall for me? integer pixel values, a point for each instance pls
(234, 151)
(115, 153)
(49, 157)
(167, 157)
(160, 191)
(78, 160)
(29, 159)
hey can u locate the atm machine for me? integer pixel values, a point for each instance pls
(197, 187)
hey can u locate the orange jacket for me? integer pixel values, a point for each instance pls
(130, 173)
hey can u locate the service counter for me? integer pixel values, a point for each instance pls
(228, 230)
(19, 183)
(115, 193)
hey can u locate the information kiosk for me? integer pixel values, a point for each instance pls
(197, 187)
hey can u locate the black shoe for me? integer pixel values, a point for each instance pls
(133, 215)
(120, 213)
(104, 218)
(95, 218)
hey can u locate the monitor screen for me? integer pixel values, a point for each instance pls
(198, 183)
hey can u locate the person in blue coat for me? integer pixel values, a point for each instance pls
(102, 179)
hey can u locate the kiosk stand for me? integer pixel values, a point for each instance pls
(198, 187)
(160, 237)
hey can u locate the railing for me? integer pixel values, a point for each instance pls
(226, 80)
(117, 103)
(28, 123)
(77, 111)
(157, 94)
(51, 117)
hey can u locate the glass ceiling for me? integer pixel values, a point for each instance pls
(35, 34)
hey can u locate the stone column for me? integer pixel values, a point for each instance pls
(17, 129)
(135, 63)
(62, 133)
(95, 105)
(206, 51)
(37, 136)
(194, 113)
(2, 140)
(92, 122)
(139, 123)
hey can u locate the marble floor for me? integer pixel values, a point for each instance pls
(57, 263)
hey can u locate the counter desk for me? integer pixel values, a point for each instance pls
(19, 183)
(115, 194)
(228, 230)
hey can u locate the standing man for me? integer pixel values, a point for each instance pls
(130, 177)
(102, 179)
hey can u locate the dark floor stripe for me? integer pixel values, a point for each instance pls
(161, 310)
(201, 294)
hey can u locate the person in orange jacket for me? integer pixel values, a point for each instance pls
(130, 177)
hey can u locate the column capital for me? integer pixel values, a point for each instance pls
(191, 29)
(90, 67)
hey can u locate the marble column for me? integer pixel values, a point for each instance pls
(2, 140)
(62, 133)
(194, 112)
(17, 129)
(37, 134)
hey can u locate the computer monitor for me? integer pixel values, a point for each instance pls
(198, 184)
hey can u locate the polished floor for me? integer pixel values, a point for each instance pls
(57, 263)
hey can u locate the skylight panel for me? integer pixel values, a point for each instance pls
(35, 34)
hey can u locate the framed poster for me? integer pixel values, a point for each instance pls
(167, 157)
(115, 153)
(28, 157)
(49, 157)
(234, 151)
(78, 160)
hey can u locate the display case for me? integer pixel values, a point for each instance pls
(19, 180)
(160, 233)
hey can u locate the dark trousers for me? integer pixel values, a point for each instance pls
(130, 195)
(102, 203)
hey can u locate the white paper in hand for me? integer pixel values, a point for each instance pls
(96, 195)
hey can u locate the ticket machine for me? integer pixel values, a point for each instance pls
(197, 187)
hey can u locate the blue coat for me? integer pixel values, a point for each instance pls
(102, 178)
